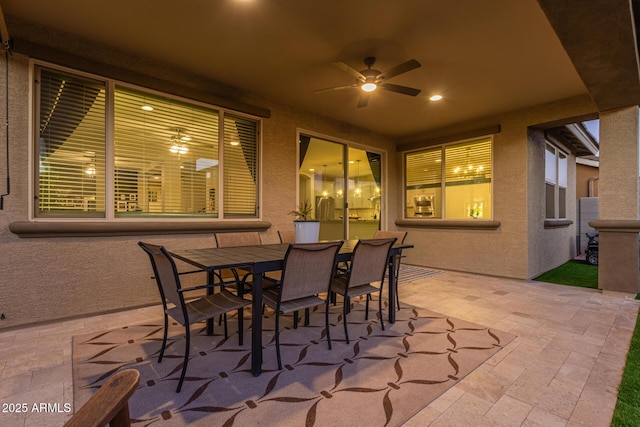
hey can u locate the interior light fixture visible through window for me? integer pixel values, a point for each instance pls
(234, 143)
(147, 108)
(91, 170)
(179, 147)
(435, 97)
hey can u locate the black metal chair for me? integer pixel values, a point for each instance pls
(307, 273)
(400, 236)
(233, 239)
(368, 265)
(184, 311)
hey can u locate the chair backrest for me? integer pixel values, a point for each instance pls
(165, 272)
(369, 261)
(242, 238)
(308, 269)
(110, 404)
(384, 234)
(287, 236)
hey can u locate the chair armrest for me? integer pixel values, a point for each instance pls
(185, 272)
(192, 272)
(270, 282)
(195, 288)
(110, 403)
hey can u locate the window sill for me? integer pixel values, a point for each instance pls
(616, 225)
(28, 229)
(454, 224)
(557, 223)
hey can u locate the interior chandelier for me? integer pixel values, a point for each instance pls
(179, 143)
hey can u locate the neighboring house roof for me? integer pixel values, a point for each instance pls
(578, 138)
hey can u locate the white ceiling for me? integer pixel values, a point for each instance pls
(485, 57)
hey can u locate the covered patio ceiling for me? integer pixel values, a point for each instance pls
(485, 58)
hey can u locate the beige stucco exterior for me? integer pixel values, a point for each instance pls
(48, 278)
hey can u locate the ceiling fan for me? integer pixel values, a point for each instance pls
(370, 79)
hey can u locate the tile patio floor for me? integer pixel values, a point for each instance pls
(563, 369)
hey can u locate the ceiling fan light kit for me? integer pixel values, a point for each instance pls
(371, 79)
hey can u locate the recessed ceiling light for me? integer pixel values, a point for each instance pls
(311, 169)
(435, 98)
(147, 108)
(234, 143)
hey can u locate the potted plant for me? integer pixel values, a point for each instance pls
(307, 230)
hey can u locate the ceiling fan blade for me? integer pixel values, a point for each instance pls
(411, 64)
(400, 89)
(330, 89)
(364, 100)
(350, 70)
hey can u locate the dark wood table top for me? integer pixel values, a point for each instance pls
(251, 256)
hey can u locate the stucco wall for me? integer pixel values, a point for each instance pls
(521, 247)
(586, 181)
(552, 246)
(50, 278)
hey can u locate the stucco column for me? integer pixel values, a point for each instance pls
(619, 202)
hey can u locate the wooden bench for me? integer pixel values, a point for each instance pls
(110, 405)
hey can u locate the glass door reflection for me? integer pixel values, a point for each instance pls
(321, 182)
(363, 193)
(343, 185)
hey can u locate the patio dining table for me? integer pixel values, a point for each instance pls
(261, 259)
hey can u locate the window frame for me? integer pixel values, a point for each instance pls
(443, 182)
(109, 149)
(559, 206)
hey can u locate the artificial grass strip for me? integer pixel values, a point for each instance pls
(627, 412)
(572, 273)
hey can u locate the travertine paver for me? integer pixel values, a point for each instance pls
(564, 366)
(563, 369)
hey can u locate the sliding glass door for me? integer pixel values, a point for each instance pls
(363, 193)
(343, 185)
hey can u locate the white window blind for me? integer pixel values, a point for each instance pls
(468, 163)
(71, 145)
(466, 168)
(562, 170)
(550, 167)
(240, 167)
(556, 180)
(424, 168)
(166, 156)
(167, 153)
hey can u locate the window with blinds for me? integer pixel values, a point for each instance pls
(169, 158)
(240, 166)
(466, 170)
(70, 147)
(556, 178)
(468, 179)
(166, 156)
(423, 176)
